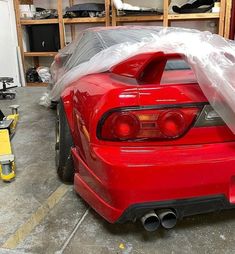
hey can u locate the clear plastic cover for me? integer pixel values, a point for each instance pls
(211, 57)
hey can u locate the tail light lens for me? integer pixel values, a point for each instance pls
(172, 123)
(141, 125)
(125, 126)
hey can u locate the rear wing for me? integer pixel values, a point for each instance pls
(143, 67)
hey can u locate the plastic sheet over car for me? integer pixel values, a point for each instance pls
(211, 57)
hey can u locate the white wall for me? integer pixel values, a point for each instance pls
(8, 42)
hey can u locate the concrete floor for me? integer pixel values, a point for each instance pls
(36, 180)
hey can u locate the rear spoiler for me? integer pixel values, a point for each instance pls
(147, 67)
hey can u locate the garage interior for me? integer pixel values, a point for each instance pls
(39, 213)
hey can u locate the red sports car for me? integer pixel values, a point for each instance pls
(141, 141)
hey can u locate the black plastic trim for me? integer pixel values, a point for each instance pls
(182, 207)
(138, 108)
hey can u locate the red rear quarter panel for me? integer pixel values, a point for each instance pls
(88, 99)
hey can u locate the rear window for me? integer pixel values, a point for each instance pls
(177, 71)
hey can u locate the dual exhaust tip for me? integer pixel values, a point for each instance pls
(151, 221)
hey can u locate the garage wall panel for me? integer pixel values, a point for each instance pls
(8, 42)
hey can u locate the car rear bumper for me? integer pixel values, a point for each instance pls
(123, 183)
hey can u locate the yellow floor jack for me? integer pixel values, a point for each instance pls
(7, 130)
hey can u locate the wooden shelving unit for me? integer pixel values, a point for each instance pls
(139, 18)
(20, 23)
(167, 17)
(228, 15)
(197, 16)
(84, 20)
(40, 54)
(25, 22)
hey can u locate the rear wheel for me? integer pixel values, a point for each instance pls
(64, 142)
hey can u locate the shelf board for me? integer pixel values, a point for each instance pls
(52, 54)
(38, 21)
(83, 20)
(193, 16)
(139, 18)
(37, 84)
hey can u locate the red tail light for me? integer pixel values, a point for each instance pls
(141, 125)
(125, 125)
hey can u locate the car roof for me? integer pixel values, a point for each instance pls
(108, 37)
(95, 40)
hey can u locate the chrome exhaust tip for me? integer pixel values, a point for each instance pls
(168, 218)
(150, 221)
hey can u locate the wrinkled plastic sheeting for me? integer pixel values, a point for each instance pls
(211, 57)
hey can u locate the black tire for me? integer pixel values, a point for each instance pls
(64, 142)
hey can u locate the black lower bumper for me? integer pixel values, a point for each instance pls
(182, 207)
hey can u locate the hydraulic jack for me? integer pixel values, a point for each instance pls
(7, 130)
